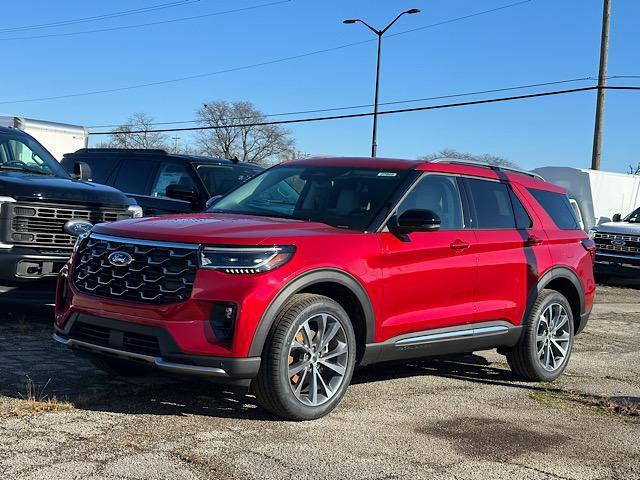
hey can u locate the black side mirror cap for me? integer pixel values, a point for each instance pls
(82, 171)
(616, 218)
(182, 192)
(415, 221)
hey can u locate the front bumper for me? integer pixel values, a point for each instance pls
(22, 265)
(617, 265)
(150, 345)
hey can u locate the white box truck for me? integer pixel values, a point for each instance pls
(58, 138)
(596, 195)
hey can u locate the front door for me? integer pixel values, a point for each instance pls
(429, 278)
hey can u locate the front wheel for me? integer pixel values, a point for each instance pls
(547, 339)
(308, 359)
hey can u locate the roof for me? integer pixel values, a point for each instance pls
(11, 130)
(359, 162)
(150, 152)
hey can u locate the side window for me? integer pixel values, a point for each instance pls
(133, 176)
(101, 168)
(523, 220)
(557, 207)
(170, 174)
(440, 194)
(492, 203)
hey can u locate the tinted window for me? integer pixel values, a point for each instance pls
(101, 168)
(345, 197)
(439, 194)
(492, 204)
(22, 153)
(634, 217)
(170, 174)
(133, 175)
(523, 220)
(557, 207)
(220, 179)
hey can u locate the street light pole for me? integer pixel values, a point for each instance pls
(379, 33)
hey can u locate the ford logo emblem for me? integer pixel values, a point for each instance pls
(618, 243)
(77, 227)
(120, 259)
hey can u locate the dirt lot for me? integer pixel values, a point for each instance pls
(455, 418)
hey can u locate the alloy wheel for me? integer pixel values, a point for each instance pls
(318, 358)
(553, 337)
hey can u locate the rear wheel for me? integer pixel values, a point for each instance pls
(547, 340)
(308, 360)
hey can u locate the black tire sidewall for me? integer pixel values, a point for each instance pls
(287, 397)
(531, 334)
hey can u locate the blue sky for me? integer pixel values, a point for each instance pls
(537, 41)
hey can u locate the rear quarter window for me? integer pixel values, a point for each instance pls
(557, 207)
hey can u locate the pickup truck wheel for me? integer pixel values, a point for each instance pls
(547, 340)
(119, 368)
(308, 360)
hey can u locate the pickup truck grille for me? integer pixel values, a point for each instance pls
(611, 243)
(158, 273)
(42, 225)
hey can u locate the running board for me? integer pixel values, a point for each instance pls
(444, 341)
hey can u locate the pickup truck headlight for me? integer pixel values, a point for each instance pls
(135, 211)
(245, 259)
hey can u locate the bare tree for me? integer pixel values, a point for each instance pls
(484, 157)
(238, 133)
(123, 136)
(634, 170)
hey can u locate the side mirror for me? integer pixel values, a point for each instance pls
(82, 171)
(416, 221)
(212, 201)
(182, 192)
(616, 218)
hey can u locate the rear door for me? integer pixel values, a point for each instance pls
(508, 245)
(430, 277)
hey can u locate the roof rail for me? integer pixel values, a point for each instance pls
(476, 163)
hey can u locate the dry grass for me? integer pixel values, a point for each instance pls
(621, 406)
(35, 401)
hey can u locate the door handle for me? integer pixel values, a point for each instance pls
(533, 240)
(459, 245)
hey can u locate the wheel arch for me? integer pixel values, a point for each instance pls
(333, 283)
(565, 281)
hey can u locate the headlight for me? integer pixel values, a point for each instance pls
(135, 211)
(4, 200)
(245, 259)
(592, 233)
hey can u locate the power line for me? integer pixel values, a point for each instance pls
(386, 112)
(95, 18)
(397, 102)
(247, 67)
(148, 24)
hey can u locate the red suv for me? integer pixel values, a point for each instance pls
(315, 266)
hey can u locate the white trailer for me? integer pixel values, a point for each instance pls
(596, 195)
(58, 138)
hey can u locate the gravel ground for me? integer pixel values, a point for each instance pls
(462, 417)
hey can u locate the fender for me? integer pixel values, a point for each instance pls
(301, 282)
(548, 277)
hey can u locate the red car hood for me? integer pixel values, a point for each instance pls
(215, 228)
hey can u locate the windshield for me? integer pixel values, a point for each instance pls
(23, 154)
(633, 217)
(220, 179)
(344, 197)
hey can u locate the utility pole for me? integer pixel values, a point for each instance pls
(602, 83)
(176, 138)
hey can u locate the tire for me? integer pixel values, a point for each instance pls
(292, 360)
(529, 359)
(117, 367)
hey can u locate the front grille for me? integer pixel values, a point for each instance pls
(118, 339)
(617, 243)
(42, 225)
(158, 273)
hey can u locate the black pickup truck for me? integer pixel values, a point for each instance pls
(42, 211)
(618, 247)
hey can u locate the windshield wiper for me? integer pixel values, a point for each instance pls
(25, 169)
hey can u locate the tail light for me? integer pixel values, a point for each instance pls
(590, 246)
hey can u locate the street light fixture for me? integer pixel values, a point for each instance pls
(379, 33)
